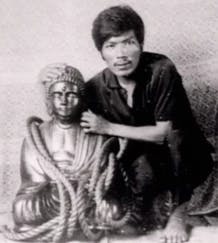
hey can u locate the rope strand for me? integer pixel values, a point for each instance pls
(73, 204)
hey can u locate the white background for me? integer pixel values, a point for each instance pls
(34, 33)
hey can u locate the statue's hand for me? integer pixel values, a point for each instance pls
(92, 123)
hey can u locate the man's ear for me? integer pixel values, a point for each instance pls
(102, 56)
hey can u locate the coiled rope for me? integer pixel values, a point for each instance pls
(73, 203)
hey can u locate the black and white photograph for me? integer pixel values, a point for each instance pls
(109, 121)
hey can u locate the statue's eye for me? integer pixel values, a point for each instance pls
(56, 94)
(72, 95)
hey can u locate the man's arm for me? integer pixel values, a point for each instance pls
(166, 91)
(96, 124)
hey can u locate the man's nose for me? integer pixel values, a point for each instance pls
(121, 51)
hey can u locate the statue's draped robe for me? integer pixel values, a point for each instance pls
(37, 199)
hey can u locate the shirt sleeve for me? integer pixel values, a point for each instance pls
(92, 97)
(168, 94)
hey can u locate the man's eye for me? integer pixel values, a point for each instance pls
(130, 42)
(110, 46)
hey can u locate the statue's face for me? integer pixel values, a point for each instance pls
(65, 100)
(122, 53)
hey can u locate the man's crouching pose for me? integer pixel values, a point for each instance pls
(140, 96)
(66, 175)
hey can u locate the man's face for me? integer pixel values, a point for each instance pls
(65, 100)
(122, 53)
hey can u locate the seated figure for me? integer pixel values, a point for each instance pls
(60, 168)
(36, 202)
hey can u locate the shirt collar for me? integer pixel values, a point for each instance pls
(111, 80)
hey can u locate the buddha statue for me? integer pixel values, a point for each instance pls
(65, 173)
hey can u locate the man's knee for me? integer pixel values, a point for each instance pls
(144, 175)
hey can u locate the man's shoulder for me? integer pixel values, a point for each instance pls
(157, 60)
(162, 69)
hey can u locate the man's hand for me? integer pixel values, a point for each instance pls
(108, 210)
(51, 71)
(92, 123)
(151, 133)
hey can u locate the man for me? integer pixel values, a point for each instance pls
(140, 96)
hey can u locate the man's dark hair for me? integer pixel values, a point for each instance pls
(114, 21)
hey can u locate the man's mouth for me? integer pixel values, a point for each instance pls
(123, 66)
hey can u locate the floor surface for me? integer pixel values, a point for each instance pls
(198, 235)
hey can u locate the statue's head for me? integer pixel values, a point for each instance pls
(64, 89)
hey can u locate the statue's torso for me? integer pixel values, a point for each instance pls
(70, 148)
(60, 142)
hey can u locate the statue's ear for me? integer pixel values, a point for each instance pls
(49, 106)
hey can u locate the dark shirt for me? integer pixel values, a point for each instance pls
(159, 95)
